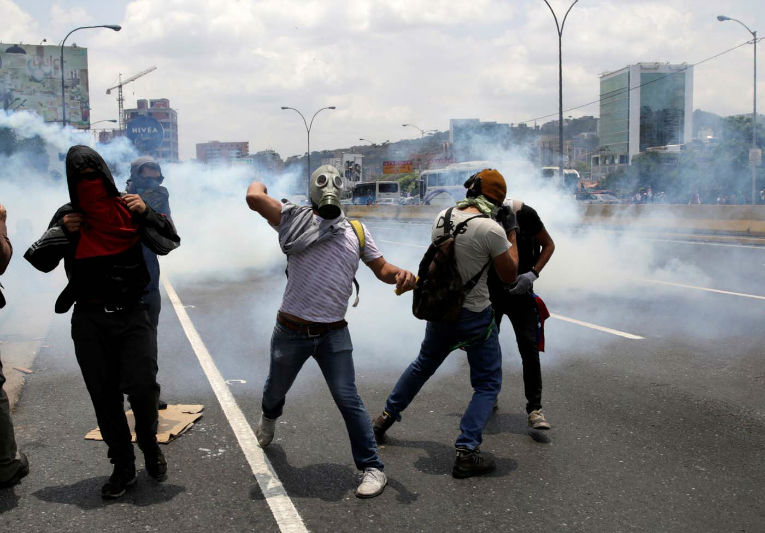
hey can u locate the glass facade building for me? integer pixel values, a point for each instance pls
(642, 106)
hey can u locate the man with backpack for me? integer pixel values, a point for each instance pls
(466, 239)
(323, 249)
(521, 305)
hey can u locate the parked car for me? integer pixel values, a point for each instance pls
(386, 201)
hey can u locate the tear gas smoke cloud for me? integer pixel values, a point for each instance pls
(223, 241)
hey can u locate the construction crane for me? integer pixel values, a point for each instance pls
(120, 99)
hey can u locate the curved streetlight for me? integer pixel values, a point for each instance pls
(374, 143)
(63, 94)
(723, 18)
(559, 27)
(100, 121)
(308, 131)
(422, 132)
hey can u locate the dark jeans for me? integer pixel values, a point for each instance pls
(522, 311)
(333, 352)
(8, 466)
(117, 354)
(484, 357)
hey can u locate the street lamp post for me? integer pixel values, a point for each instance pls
(723, 18)
(100, 121)
(308, 131)
(422, 132)
(560, 82)
(63, 94)
(372, 142)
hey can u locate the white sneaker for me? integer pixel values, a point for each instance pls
(372, 484)
(265, 431)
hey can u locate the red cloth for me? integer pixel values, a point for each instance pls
(108, 227)
(544, 314)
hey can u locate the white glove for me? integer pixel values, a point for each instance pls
(523, 284)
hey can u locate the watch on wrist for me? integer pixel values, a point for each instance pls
(535, 271)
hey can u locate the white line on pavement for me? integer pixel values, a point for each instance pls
(702, 243)
(412, 244)
(287, 517)
(707, 289)
(596, 327)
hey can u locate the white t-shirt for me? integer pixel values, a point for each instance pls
(483, 240)
(320, 278)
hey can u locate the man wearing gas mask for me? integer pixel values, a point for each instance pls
(145, 180)
(323, 249)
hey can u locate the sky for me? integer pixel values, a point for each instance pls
(227, 66)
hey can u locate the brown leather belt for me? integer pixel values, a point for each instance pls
(311, 329)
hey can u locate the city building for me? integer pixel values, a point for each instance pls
(158, 109)
(471, 139)
(642, 106)
(216, 152)
(30, 80)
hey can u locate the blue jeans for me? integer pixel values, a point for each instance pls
(334, 353)
(484, 357)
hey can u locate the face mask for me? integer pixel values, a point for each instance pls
(325, 189)
(90, 191)
(146, 183)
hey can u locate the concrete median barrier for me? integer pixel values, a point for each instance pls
(737, 220)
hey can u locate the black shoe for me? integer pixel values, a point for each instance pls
(161, 405)
(156, 464)
(380, 425)
(122, 477)
(471, 463)
(22, 469)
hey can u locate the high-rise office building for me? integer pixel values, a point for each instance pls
(159, 109)
(643, 106)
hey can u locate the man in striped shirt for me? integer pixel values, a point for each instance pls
(323, 256)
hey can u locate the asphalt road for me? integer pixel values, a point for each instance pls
(663, 433)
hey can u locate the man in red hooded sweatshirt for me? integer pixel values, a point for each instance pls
(99, 235)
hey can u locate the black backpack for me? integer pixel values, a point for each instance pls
(440, 293)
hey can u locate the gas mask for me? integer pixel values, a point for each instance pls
(325, 188)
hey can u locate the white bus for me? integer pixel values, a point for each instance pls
(437, 183)
(376, 192)
(571, 178)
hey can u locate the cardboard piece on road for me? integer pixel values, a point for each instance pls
(173, 421)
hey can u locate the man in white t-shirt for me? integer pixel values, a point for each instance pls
(481, 242)
(323, 250)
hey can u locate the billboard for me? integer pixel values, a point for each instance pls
(145, 132)
(352, 167)
(397, 167)
(30, 80)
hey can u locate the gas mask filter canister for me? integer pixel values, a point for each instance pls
(325, 189)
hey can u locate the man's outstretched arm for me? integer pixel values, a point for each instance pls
(259, 201)
(391, 274)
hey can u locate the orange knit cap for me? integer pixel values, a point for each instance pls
(493, 185)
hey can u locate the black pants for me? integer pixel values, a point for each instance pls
(153, 301)
(522, 311)
(117, 354)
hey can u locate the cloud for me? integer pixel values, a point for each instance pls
(228, 66)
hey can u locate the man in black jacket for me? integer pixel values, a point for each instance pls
(145, 180)
(99, 235)
(535, 247)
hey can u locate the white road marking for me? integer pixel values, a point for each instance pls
(707, 289)
(284, 511)
(413, 245)
(701, 243)
(596, 327)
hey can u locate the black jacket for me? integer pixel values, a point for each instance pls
(116, 279)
